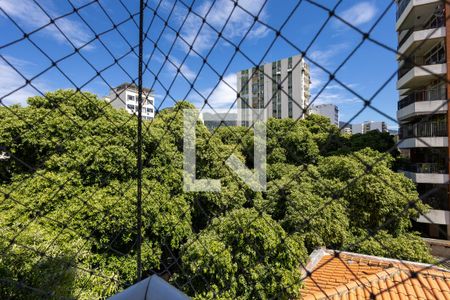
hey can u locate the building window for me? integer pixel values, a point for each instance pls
(244, 89)
(261, 88)
(276, 93)
(131, 98)
(130, 107)
(290, 114)
(436, 55)
(274, 90)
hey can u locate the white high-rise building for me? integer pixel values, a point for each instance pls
(281, 88)
(126, 96)
(330, 111)
(423, 76)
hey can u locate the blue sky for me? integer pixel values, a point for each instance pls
(365, 72)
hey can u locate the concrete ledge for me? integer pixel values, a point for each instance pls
(417, 75)
(435, 216)
(422, 108)
(439, 248)
(427, 177)
(410, 7)
(423, 142)
(420, 36)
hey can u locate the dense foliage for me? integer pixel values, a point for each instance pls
(68, 190)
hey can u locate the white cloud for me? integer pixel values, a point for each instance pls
(333, 92)
(335, 97)
(216, 16)
(317, 78)
(29, 15)
(11, 80)
(360, 13)
(172, 64)
(325, 57)
(223, 97)
(184, 69)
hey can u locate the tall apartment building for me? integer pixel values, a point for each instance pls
(126, 96)
(330, 111)
(422, 27)
(281, 88)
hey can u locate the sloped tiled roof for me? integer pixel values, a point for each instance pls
(344, 275)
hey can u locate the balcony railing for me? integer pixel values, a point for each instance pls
(438, 22)
(402, 4)
(423, 95)
(437, 200)
(425, 129)
(428, 168)
(436, 58)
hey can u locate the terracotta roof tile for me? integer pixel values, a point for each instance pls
(352, 276)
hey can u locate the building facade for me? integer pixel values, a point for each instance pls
(422, 27)
(330, 111)
(345, 127)
(281, 88)
(213, 120)
(369, 126)
(126, 96)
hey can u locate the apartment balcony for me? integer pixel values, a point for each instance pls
(409, 11)
(421, 73)
(424, 129)
(423, 134)
(422, 102)
(439, 202)
(420, 36)
(435, 216)
(423, 142)
(431, 173)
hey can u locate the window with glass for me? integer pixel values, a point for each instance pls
(274, 90)
(244, 88)
(290, 104)
(436, 55)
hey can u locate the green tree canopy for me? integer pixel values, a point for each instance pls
(68, 196)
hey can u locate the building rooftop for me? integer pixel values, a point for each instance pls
(132, 86)
(345, 275)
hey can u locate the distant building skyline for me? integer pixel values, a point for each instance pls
(365, 127)
(369, 126)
